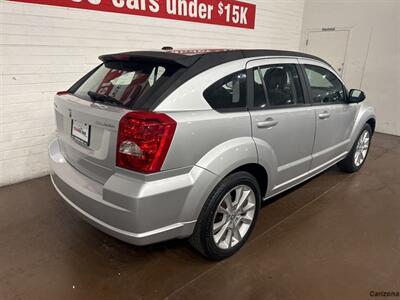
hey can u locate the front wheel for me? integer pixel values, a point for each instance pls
(358, 154)
(228, 217)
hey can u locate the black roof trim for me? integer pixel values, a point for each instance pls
(211, 58)
(258, 52)
(152, 56)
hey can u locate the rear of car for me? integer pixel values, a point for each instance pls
(109, 159)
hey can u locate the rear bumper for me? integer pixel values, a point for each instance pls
(137, 211)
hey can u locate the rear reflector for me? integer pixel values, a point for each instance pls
(143, 141)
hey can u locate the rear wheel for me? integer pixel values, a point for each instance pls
(228, 217)
(358, 154)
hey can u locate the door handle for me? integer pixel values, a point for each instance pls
(268, 123)
(324, 115)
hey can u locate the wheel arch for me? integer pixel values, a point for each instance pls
(372, 123)
(228, 156)
(239, 154)
(366, 115)
(259, 173)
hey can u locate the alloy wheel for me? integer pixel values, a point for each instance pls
(234, 216)
(362, 148)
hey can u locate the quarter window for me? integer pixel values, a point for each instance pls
(325, 86)
(277, 85)
(228, 92)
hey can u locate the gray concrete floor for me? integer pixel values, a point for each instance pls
(335, 237)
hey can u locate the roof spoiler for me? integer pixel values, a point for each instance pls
(152, 57)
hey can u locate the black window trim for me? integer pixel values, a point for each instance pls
(250, 85)
(250, 88)
(267, 103)
(308, 86)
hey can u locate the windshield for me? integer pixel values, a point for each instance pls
(123, 83)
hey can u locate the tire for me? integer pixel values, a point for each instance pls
(349, 164)
(237, 226)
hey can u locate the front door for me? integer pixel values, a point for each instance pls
(281, 120)
(334, 116)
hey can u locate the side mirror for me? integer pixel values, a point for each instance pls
(356, 96)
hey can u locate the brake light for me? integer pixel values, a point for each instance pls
(62, 93)
(143, 141)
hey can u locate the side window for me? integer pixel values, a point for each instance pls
(277, 85)
(325, 86)
(228, 92)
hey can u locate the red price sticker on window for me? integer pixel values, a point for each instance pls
(224, 12)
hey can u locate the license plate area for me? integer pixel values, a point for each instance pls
(80, 132)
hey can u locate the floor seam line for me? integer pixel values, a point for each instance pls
(299, 210)
(193, 280)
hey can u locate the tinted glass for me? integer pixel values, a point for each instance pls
(260, 99)
(325, 86)
(281, 84)
(228, 93)
(123, 83)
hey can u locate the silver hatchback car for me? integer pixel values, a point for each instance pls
(156, 145)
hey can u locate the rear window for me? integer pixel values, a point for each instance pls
(124, 83)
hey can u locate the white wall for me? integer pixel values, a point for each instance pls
(45, 49)
(373, 54)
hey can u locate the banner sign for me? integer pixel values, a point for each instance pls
(219, 12)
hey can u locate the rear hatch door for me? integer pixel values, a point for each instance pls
(88, 115)
(87, 134)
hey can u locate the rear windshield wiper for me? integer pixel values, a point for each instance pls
(96, 97)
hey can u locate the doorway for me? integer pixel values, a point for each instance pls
(330, 45)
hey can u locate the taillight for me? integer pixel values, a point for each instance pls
(143, 141)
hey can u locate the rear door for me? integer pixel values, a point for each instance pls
(335, 117)
(282, 118)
